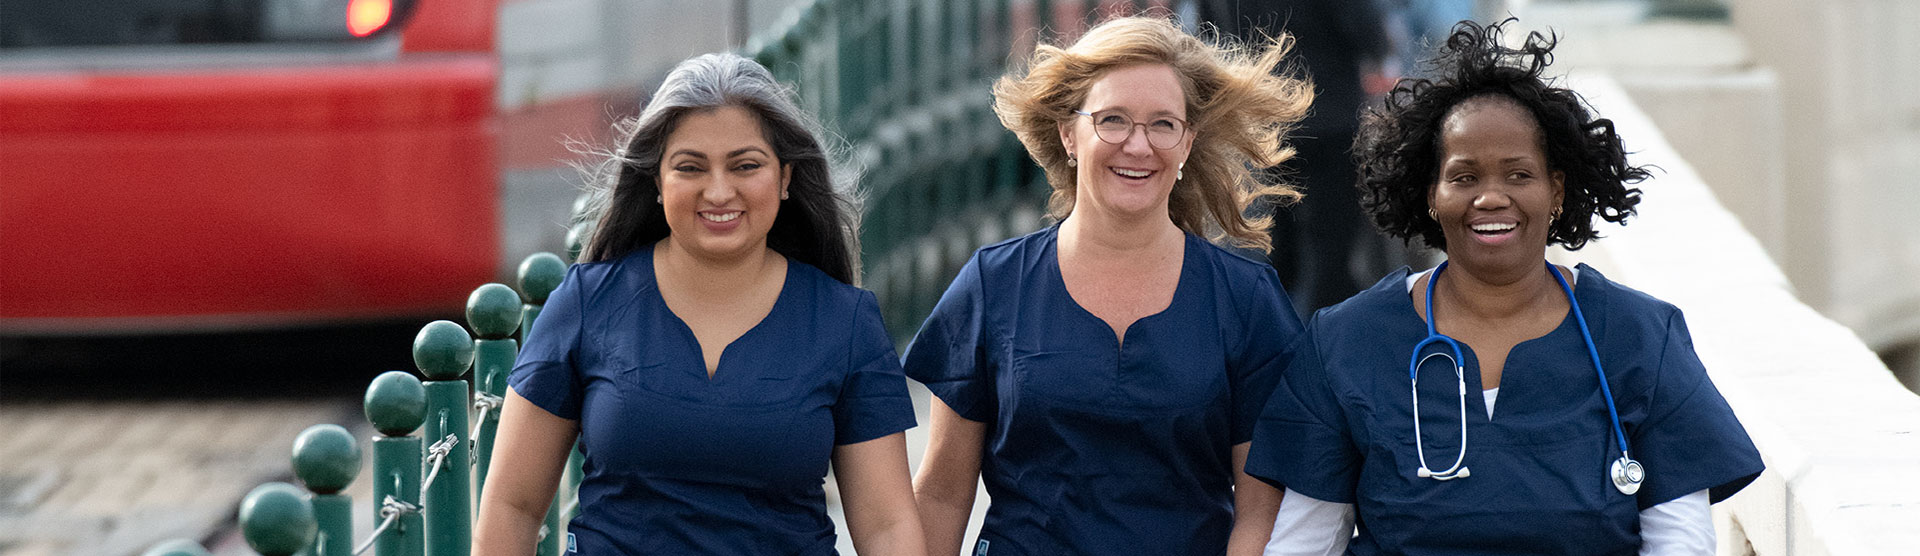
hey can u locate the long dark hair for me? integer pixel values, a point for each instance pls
(817, 222)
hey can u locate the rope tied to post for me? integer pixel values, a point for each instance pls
(485, 404)
(390, 511)
(436, 459)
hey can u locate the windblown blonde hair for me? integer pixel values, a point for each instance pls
(1236, 104)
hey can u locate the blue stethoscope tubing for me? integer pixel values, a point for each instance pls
(1625, 473)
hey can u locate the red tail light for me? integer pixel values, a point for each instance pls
(364, 17)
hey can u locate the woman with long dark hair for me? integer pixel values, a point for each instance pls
(711, 351)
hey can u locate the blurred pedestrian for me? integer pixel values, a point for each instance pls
(1323, 248)
(1101, 375)
(710, 351)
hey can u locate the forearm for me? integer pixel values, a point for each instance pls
(943, 517)
(897, 537)
(502, 530)
(1254, 505)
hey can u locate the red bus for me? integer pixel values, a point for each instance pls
(187, 165)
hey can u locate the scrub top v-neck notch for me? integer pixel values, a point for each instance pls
(1119, 342)
(691, 340)
(1472, 362)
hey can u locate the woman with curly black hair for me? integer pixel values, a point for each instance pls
(1609, 438)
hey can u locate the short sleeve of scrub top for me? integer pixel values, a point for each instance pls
(545, 371)
(1096, 446)
(1688, 427)
(951, 353)
(681, 462)
(1302, 440)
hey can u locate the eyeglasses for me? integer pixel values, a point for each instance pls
(1113, 126)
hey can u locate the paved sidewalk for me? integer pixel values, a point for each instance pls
(109, 478)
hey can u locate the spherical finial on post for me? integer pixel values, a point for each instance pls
(326, 458)
(277, 520)
(577, 237)
(177, 547)
(540, 273)
(443, 350)
(396, 403)
(493, 311)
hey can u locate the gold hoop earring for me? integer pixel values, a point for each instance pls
(1433, 215)
(1556, 214)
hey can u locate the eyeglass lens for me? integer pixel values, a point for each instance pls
(1116, 128)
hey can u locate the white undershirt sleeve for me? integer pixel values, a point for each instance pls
(1679, 527)
(1310, 527)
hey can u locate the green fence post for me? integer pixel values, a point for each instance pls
(396, 404)
(539, 274)
(444, 351)
(493, 311)
(326, 458)
(176, 547)
(277, 519)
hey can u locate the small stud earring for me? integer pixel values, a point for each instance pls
(783, 194)
(1180, 173)
(1071, 161)
(658, 200)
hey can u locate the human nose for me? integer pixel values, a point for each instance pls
(1491, 200)
(1137, 140)
(720, 189)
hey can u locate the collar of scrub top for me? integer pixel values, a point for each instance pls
(1625, 473)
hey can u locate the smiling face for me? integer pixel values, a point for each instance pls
(720, 184)
(1131, 179)
(1495, 194)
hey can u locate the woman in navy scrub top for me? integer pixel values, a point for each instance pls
(1102, 376)
(1490, 164)
(709, 351)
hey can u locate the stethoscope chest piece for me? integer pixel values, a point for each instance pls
(1627, 475)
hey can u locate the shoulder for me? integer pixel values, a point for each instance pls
(1384, 297)
(1014, 255)
(829, 292)
(592, 280)
(1622, 305)
(1235, 265)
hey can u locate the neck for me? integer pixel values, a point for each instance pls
(707, 276)
(1087, 234)
(1494, 295)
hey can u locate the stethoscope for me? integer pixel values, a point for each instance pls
(1626, 474)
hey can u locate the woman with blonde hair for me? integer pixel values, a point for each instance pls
(1102, 375)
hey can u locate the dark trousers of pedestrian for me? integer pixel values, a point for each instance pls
(1323, 247)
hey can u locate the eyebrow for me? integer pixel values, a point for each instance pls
(1156, 113)
(703, 156)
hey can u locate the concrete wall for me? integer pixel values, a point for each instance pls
(1851, 117)
(1840, 437)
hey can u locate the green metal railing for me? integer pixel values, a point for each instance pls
(908, 84)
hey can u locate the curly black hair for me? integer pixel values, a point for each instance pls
(1398, 147)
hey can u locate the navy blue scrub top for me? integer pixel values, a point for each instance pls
(1339, 428)
(1095, 447)
(677, 463)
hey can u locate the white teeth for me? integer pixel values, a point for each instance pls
(728, 217)
(1492, 228)
(1132, 173)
